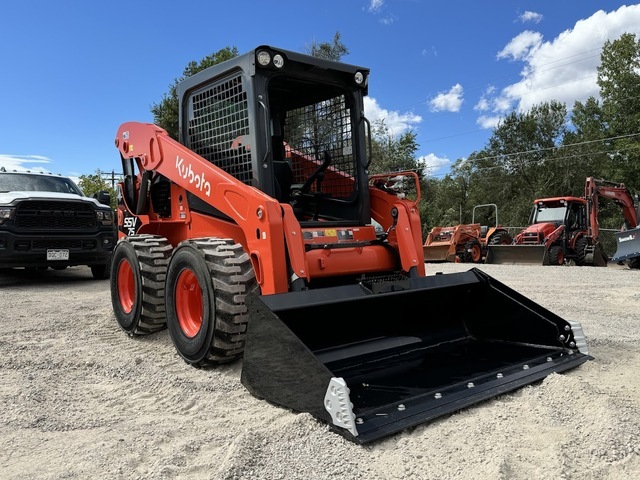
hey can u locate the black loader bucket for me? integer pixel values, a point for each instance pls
(374, 359)
(627, 245)
(517, 254)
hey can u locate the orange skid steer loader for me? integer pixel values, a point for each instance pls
(256, 237)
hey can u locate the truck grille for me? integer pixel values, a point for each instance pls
(49, 215)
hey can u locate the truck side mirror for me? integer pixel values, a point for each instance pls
(103, 197)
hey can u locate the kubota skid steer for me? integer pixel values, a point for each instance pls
(253, 236)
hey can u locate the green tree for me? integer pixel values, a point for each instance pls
(329, 50)
(586, 146)
(619, 82)
(92, 184)
(165, 112)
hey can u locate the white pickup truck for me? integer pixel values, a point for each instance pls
(46, 221)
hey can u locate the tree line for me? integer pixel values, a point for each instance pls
(546, 151)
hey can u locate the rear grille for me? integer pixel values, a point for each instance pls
(52, 216)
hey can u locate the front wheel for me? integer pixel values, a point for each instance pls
(207, 282)
(472, 252)
(556, 255)
(138, 268)
(101, 272)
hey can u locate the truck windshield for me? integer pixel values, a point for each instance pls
(16, 182)
(550, 214)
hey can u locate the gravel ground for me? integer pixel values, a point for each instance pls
(80, 399)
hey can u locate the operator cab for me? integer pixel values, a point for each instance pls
(289, 124)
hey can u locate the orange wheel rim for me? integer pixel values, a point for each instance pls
(188, 297)
(126, 286)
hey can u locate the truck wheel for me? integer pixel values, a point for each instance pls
(581, 251)
(207, 281)
(139, 266)
(556, 255)
(100, 272)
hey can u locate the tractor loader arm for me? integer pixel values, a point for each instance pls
(257, 214)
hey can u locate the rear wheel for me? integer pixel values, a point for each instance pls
(207, 282)
(501, 238)
(581, 251)
(137, 283)
(556, 255)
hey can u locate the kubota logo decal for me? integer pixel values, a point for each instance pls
(197, 179)
(629, 237)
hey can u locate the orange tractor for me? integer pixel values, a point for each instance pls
(465, 242)
(260, 235)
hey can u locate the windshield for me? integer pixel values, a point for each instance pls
(552, 214)
(16, 182)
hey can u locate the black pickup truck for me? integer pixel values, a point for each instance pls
(46, 221)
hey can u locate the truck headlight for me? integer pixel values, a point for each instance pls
(6, 213)
(105, 217)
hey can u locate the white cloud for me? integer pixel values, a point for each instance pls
(399, 123)
(522, 46)
(450, 101)
(375, 5)
(564, 68)
(22, 163)
(488, 122)
(531, 17)
(431, 163)
(388, 20)
(396, 122)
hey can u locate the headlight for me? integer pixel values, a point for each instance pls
(105, 217)
(269, 59)
(6, 213)
(278, 61)
(264, 58)
(360, 79)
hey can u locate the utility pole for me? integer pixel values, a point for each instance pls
(112, 176)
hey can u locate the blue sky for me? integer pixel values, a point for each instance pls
(72, 71)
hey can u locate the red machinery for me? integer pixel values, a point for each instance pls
(255, 236)
(566, 228)
(465, 242)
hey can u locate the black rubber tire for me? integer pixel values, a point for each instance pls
(138, 271)
(556, 255)
(581, 251)
(500, 238)
(217, 317)
(633, 263)
(472, 252)
(101, 272)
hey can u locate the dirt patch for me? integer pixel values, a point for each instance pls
(80, 399)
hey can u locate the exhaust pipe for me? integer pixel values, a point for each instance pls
(374, 359)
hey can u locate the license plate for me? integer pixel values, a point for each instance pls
(57, 254)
